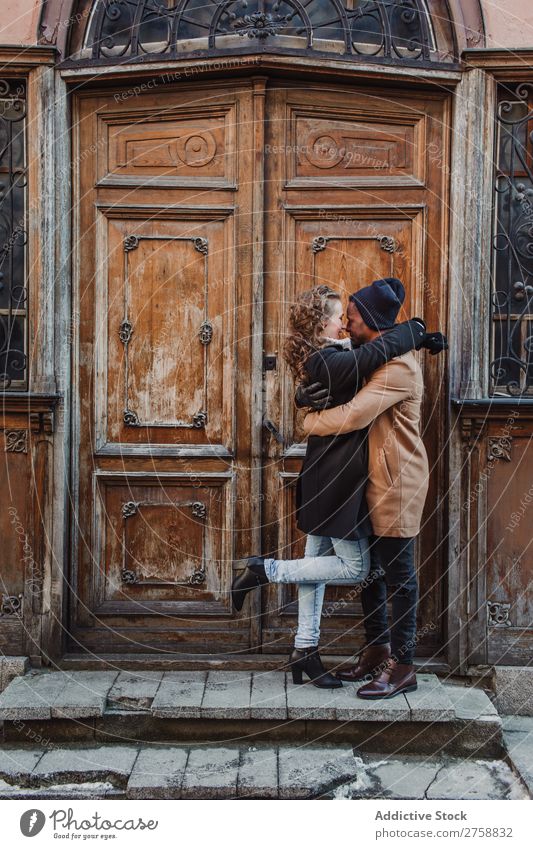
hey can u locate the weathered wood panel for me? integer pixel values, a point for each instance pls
(165, 370)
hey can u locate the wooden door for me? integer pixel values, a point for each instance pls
(167, 426)
(175, 477)
(356, 184)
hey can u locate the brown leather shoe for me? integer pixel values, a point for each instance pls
(369, 658)
(395, 679)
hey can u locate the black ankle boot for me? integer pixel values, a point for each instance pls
(308, 660)
(253, 576)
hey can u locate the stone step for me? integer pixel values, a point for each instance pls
(238, 771)
(215, 705)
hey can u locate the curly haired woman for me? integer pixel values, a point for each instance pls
(330, 501)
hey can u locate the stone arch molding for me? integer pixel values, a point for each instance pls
(388, 30)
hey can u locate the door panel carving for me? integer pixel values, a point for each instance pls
(163, 542)
(167, 149)
(166, 323)
(352, 147)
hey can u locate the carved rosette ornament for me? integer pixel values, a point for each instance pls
(16, 441)
(11, 605)
(498, 614)
(500, 448)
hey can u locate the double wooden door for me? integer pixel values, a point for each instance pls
(201, 210)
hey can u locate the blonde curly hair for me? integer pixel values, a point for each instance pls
(307, 317)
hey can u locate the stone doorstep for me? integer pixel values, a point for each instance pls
(514, 690)
(518, 741)
(11, 667)
(230, 696)
(232, 772)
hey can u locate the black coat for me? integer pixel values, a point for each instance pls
(330, 487)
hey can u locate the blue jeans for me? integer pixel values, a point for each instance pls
(326, 560)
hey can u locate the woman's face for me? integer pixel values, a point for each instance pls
(335, 323)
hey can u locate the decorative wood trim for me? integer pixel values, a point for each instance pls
(256, 395)
(471, 431)
(37, 410)
(470, 237)
(27, 56)
(499, 61)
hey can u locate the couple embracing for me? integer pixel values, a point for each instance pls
(363, 482)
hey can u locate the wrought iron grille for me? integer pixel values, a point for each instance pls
(512, 298)
(13, 236)
(133, 29)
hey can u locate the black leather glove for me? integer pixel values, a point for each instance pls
(316, 396)
(435, 342)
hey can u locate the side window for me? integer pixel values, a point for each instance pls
(512, 296)
(13, 235)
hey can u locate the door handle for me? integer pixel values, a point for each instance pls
(272, 429)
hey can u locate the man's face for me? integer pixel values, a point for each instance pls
(358, 330)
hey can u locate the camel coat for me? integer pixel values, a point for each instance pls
(390, 403)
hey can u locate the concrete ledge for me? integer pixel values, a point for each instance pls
(10, 667)
(518, 740)
(514, 690)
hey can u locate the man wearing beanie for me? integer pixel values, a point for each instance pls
(390, 404)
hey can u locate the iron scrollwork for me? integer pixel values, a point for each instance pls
(131, 419)
(131, 243)
(386, 243)
(11, 605)
(125, 331)
(511, 368)
(129, 508)
(398, 30)
(199, 509)
(13, 233)
(199, 419)
(206, 332)
(195, 579)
